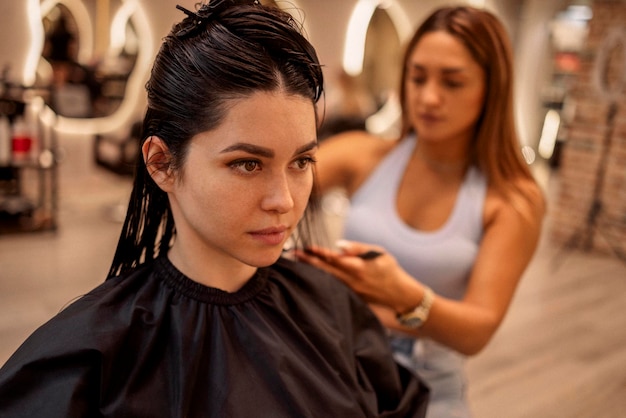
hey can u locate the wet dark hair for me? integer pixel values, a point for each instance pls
(227, 49)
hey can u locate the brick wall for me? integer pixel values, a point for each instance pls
(589, 208)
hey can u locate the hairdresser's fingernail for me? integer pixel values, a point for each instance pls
(342, 244)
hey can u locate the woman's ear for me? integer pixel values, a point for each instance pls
(157, 158)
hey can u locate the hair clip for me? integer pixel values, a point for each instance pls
(195, 24)
(188, 12)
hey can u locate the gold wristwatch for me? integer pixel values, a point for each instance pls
(416, 318)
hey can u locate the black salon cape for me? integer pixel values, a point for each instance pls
(293, 342)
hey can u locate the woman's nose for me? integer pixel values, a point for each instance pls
(278, 196)
(431, 93)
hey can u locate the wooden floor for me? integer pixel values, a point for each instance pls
(561, 352)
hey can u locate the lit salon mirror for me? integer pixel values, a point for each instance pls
(376, 33)
(90, 51)
(382, 56)
(114, 42)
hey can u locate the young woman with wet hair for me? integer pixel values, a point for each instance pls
(451, 205)
(200, 315)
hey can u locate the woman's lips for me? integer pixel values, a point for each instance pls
(270, 236)
(429, 118)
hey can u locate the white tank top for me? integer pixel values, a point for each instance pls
(440, 259)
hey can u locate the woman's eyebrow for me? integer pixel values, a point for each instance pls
(249, 148)
(307, 147)
(445, 70)
(263, 151)
(453, 70)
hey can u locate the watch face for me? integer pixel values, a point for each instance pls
(413, 321)
(418, 316)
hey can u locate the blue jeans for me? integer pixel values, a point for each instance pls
(443, 371)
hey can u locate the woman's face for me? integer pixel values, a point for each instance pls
(245, 185)
(445, 88)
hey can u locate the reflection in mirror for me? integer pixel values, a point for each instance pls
(372, 53)
(68, 82)
(382, 57)
(94, 86)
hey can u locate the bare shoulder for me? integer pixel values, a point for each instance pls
(523, 206)
(350, 141)
(346, 159)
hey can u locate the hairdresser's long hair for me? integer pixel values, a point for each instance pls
(495, 148)
(226, 50)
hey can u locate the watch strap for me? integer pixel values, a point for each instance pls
(419, 315)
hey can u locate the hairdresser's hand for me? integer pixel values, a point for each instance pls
(379, 279)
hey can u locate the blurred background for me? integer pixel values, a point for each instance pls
(72, 93)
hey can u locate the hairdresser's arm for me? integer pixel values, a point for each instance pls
(344, 160)
(509, 241)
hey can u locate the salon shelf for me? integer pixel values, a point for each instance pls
(29, 188)
(28, 196)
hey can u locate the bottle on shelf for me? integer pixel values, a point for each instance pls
(5, 141)
(31, 119)
(21, 141)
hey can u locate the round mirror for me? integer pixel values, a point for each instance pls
(87, 79)
(93, 63)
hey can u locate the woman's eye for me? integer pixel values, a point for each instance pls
(304, 163)
(418, 80)
(246, 166)
(453, 84)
